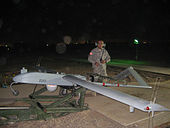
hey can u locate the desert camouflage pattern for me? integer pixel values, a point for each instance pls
(95, 56)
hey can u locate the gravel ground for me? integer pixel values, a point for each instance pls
(84, 119)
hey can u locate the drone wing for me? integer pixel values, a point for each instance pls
(132, 101)
(120, 85)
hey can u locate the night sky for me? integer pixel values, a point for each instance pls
(38, 20)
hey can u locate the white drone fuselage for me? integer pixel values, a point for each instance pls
(49, 79)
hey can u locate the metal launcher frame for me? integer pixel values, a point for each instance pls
(43, 107)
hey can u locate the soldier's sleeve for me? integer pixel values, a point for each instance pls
(107, 57)
(90, 57)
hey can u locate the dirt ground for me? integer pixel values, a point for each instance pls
(85, 119)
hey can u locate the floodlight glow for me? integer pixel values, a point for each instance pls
(136, 41)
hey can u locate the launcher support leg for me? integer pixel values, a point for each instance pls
(36, 93)
(82, 95)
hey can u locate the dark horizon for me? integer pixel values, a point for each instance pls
(41, 20)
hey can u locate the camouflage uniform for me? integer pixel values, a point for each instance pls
(95, 56)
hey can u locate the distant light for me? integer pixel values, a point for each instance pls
(47, 45)
(136, 41)
(144, 42)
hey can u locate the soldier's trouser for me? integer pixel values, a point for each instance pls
(100, 70)
(100, 79)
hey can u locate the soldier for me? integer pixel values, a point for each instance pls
(99, 57)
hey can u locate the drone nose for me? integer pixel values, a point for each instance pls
(17, 78)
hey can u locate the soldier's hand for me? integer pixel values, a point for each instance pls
(97, 64)
(103, 61)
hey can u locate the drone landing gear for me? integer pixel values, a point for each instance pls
(63, 91)
(43, 107)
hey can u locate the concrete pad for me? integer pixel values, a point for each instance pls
(6, 101)
(113, 109)
(119, 112)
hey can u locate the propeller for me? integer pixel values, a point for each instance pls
(152, 101)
